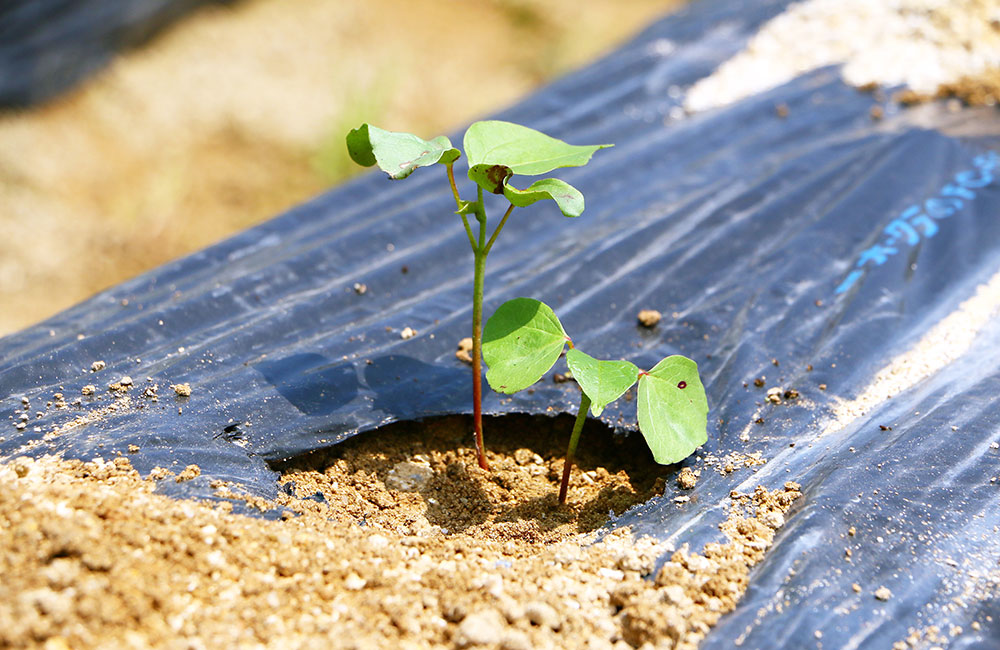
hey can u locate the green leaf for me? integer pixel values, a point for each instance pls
(397, 154)
(602, 381)
(673, 410)
(496, 150)
(521, 341)
(568, 198)
(525, 151)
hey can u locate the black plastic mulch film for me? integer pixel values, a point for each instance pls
(736, 219)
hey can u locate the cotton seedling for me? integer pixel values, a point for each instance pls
(523, 339)
(496, 151)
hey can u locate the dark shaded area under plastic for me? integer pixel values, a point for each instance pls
(737, 220)
(48, 46)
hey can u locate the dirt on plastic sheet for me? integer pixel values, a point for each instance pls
(944, 48)
(407, 547)
(975, 90)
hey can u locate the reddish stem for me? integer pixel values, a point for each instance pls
(477, 395)
(477, 343)
(564, 486)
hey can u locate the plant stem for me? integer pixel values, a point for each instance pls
(496, 232)
(468, 231)
(478, 283)
(479, 251)
(458, 203)
(454, 188)
(581, 415)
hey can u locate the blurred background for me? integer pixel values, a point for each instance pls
(217, 116)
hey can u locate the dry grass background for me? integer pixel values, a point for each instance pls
(239, 112)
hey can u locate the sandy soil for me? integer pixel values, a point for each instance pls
(393, 541)
(240, 112)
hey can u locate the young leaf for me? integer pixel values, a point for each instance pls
(397, 154)
(491, 178)
(521, 341)
(602, 381)
(568, 198)
(673, 410)
(498, 149)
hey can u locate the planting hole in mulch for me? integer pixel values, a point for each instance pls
(422, 478)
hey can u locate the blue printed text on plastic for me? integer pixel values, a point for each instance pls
(920, 220)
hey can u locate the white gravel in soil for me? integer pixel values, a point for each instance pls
(917, 43)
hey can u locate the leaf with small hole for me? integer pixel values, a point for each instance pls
(672, 409)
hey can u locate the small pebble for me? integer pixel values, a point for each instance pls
(182, 390)
(687, 479)
(464, 352)
(190, 472)
(481, 628)
(543, 614)
(515, 640)
(649, 317)
(354, 582)
(773, 519)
